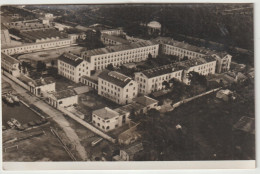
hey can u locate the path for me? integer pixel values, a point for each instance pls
(56, 115)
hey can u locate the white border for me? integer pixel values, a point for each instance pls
(141, 166)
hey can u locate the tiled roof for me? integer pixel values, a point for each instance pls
(64, 94)
(145, 101)
(71, 59)
(115, 78)
(117, 48)
(9, 58)
(165, 69)
(115, 38)
(106, 113)
(183, 45)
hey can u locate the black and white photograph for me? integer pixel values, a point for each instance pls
(128, 82)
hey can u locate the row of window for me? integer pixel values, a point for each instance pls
(143, 50)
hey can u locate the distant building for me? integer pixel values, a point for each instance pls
(72, 67)
(112, 40)
(112, 32)
(147, 103)
(154, 27)
(10, 64)
(5, 36)
(128, 153)
(98, 59)
(33, 47)
(60, 26)
(117, 87)
(224, 95)
(140, 105)
(42, 86)
(151, 80)
(107, 119)
(48, 15)
(63, 98)
(182, 49)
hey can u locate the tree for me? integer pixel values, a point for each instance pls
(52, 63)
(196, 78)
(185, 58)
(41, 66)
(110, 67)
(150, 56)
(166, 84)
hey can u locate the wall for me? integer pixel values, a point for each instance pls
(87, 125)
(68, 101)
(27, 87)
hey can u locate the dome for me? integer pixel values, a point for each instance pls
(154, 24)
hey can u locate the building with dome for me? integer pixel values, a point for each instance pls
(154, 28)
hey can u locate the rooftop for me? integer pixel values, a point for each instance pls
(115, 38)
(246, 124)
(9, 59)
(145, 101)
(165, 69)
(117, 48)
(115, 78)
(183, 45)
(154, 24)
(70, 59)
(64, 94)
(43, 81)
(134, 148)
(106, 113)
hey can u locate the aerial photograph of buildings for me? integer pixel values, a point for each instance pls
(127, 82)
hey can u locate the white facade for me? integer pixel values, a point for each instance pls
(118, 94)
(223, 64)
(107, 119)
(10, 64)
(180, 52)
(71, 70)
(152, 80)
(28, 48)
(115, 32)
(42, 90)
(117, 58)
(147, 85)
(62, 102)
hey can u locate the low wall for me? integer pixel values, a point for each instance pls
(87, 125)
(27, 87)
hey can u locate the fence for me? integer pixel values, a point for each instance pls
(87, 125)
(194, 97)
(16, 80)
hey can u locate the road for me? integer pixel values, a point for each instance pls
(56, 115)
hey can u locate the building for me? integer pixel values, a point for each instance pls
(107, 119)
(129, 136)
(48, 15)
(223, 62)
(112, 40)
(60, 27)
(113, 32)
(5, 36)
(63, 98)
(72, 67)
(128, 153)
(154, 28)
(182, 49)
(147, 103)
(98, 59)
(10, 64)
(151, 80)
(41, 87)
(33, 47)
(117, 87)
